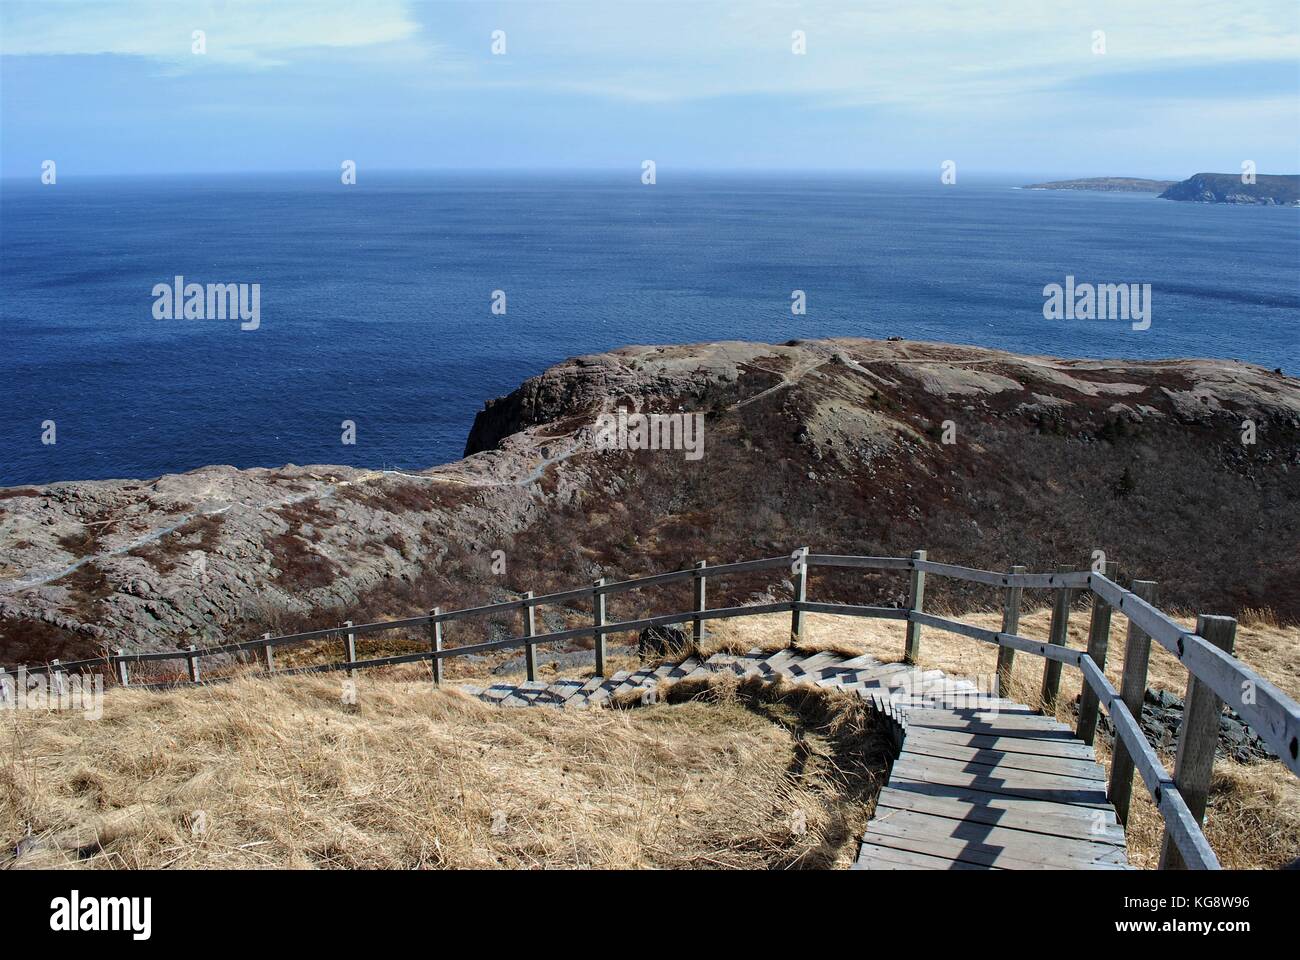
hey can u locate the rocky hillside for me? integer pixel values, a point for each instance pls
(1228, 188)
(860, 446)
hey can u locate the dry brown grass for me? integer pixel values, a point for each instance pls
(283, 773)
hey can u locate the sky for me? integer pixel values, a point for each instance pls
(1149, 88)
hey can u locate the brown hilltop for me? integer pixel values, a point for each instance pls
(836, 444)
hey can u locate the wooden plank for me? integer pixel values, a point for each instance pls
(866, 661)
(579, 697)
(800, 593)
(990, 845)
(872, 857)
(956, 701)
(1098, 643)
(710, 666)
(1081, 823)
(597, 622)
(498, 692)
(664, 670)
(525, 694)
(869, 563)
(602, 692)
(800, 668)
(1044, 748)
(435, 643)
(852, 610)
(1137, 652)
(636, 679)
(1058, 636)
(684, 669)
(915, 604)
(991, 724)
(530, 630)
(745, 664)
(1040, 648)
(561, 690)
(1083, 769)
(970, 853)
(983, 795)
(1010, 624)
(1008, 711)
(774, 664)
(697, 625)
(1023, 783)
(856, 680)
(1198, 738)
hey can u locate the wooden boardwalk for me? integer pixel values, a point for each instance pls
(977, 783)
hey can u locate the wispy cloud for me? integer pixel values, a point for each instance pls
(247, 33)
(924, 55)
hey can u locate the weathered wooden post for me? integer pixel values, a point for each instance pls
(1010, 624)
(530, 629)
(1059, 635)
(1098, 643)
(58, 687)
(268, 652)
(697, 625)
(800, 593)
(1133, 688)
(915, 603)
(5, 695)
(598, 618)
(123, 670)
(192, 661)
(1199, 736)
(435, 642)
(350, 649)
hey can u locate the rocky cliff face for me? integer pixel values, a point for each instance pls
(850, 446)
(1267, 190)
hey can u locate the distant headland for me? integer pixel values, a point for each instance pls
(1107, 184)
(1263, 189)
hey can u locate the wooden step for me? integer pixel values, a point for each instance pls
(1054, 819)
(918, 743)
(872, 857)
(1024, 783)
(600, 694)
(579, 698)
(1071, 747)
(985, 845)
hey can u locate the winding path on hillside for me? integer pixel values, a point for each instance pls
(977, 782)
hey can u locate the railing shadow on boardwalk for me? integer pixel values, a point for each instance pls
(1215, 676)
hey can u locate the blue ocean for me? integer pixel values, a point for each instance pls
(376, 298)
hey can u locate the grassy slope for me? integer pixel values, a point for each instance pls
(284, 773)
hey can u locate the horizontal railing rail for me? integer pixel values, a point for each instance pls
(1180, 797)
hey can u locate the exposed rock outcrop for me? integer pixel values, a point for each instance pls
(1267, 190)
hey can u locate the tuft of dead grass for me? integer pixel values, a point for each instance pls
(284, 773)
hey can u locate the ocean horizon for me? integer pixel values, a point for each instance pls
(376, 300)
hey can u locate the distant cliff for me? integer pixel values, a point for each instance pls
(1227, 188)
(1107, 184)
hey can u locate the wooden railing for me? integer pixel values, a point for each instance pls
(1214, 674)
